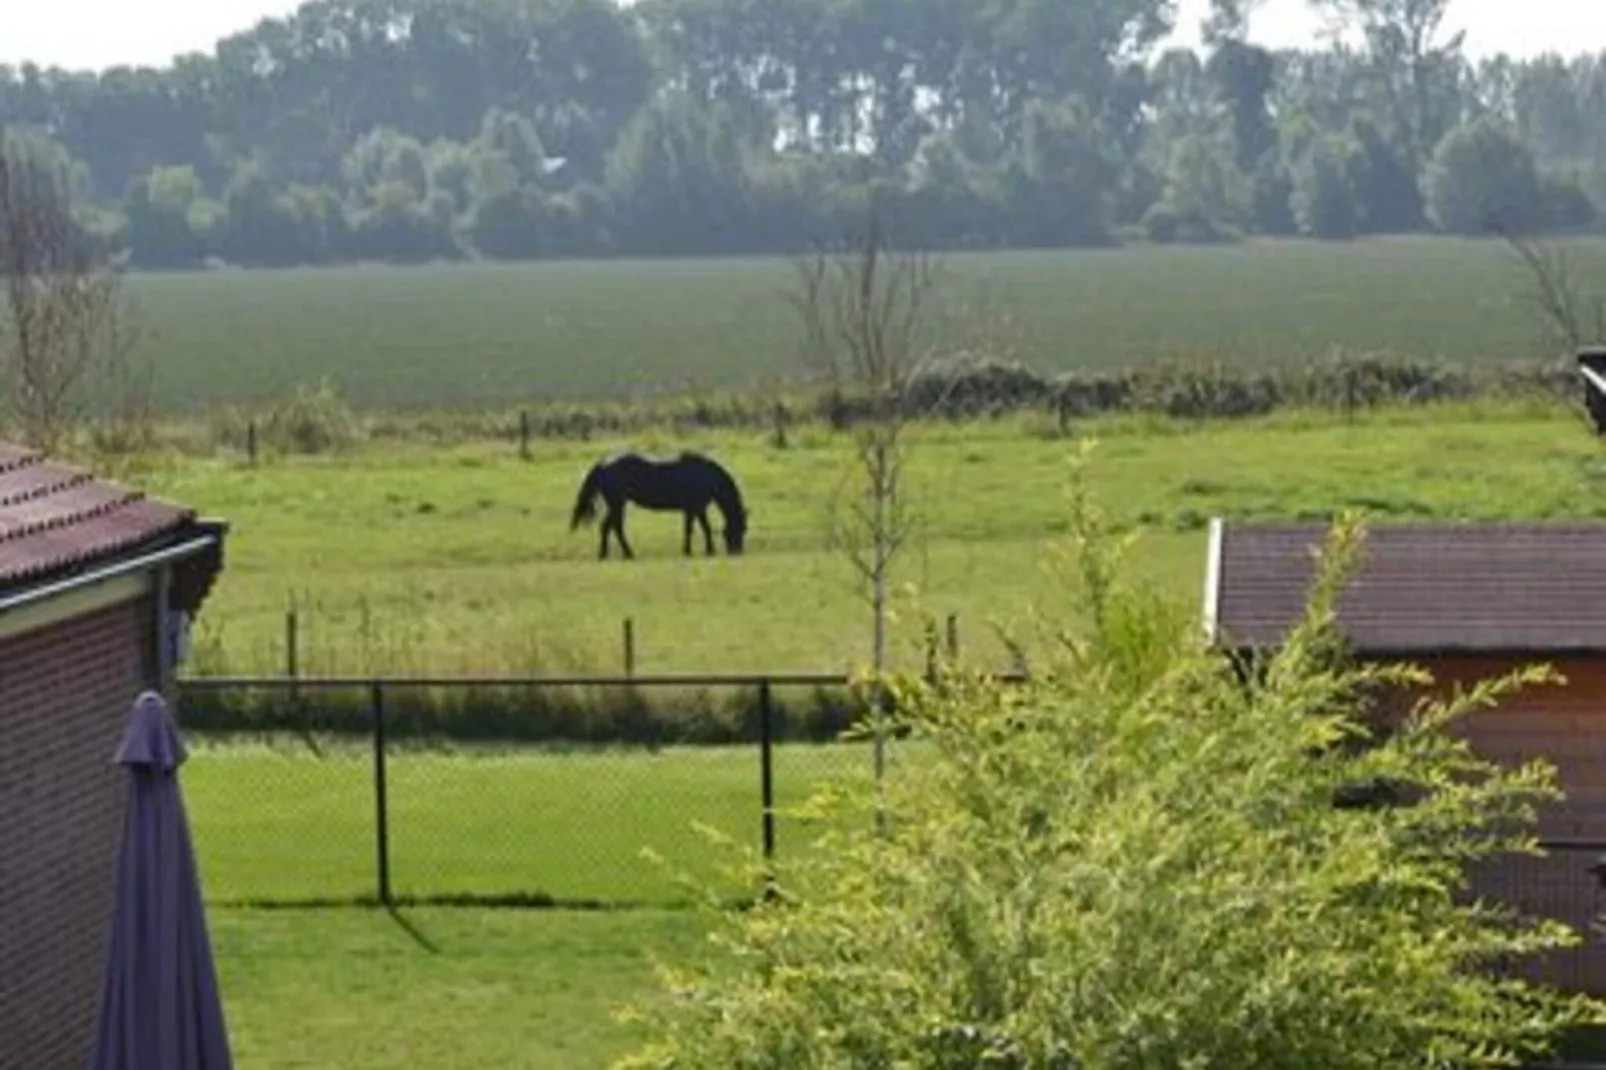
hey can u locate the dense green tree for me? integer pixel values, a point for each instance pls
(1208, 196)
(509, 225)
(679, 176)
(404, 128)
(1482, 178)
(162, 217)
(1325, 201)
(1412, 67)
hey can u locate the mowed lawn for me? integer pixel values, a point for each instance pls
(465, 989)
(486, 334)
(408, 559)
(284, 825)
(469, 987)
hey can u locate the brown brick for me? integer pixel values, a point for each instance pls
(65, 693)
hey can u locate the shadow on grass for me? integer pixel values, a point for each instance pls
(412, 930)
(471, 900)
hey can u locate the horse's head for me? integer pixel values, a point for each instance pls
(735, 534)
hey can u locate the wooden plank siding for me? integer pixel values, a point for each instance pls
(1566, 726)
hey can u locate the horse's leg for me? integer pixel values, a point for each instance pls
(685, 542)
(611, 521)
(618, 515)
(708, 536)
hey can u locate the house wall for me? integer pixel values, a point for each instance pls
(66, 688)
(1566, 726)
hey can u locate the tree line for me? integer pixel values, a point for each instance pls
(417, 130)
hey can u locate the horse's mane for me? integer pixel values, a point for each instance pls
(728, 489)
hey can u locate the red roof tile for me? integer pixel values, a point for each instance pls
(54, 518)
(1420, 588)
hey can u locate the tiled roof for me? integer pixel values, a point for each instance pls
(54, 518)
(1419, 588)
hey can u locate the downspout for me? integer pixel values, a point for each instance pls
(163, 610)
(1212, 582)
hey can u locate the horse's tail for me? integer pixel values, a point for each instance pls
(585, 504)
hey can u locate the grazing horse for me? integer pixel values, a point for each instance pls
(688, 482)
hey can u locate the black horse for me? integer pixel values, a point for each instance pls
(689, 482)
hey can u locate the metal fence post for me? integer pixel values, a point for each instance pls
(766, 771)
(376, 695)
(292, 642)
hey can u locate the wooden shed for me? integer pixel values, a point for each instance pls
(97, 586)
(1467, 602)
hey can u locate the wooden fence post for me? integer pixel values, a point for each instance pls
(778, 415)
(630, 646)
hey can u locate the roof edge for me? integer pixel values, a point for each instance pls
(1446, 652)
(174, 547)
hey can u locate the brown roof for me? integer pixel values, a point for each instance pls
(1420, 588)
(55, 519)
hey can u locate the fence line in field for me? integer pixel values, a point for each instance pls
(380, 731)
(628, 648)
(1541, 886)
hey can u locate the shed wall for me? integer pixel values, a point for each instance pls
(65, 693)
(1566, 726)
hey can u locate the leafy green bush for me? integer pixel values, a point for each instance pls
(1137, 861)
(315, 420)
(513, 714)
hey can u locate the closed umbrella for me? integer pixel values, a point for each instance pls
(160, 1008)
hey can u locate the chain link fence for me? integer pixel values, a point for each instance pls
(575, 791)
(604, 791)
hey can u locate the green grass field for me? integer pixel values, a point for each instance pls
(282, 825)
(409, 560)
(469, 988)
(460, 561)
(466, 989)
(472, 335)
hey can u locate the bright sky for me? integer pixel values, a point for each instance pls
(58, 32)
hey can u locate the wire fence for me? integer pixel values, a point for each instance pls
(322, 791)
(316, 791)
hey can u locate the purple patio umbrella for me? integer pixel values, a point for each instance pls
(159, 1007)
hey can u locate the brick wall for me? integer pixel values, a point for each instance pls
(65, 692)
